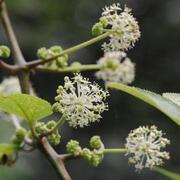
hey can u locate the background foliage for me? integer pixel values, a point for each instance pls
(44, 23)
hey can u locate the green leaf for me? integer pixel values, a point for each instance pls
(163, 104)
(174, 97)
(31, 108)
(171, 175)
(7, 149)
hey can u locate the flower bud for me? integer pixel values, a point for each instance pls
(86, 154)
(97, 158)
(97, 29)
(95, 142)
(73, 147)
(4, 51)
(54, 139)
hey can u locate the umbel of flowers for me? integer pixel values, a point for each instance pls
(123, 28)
(80, 101)
(116, 67)
(144, 145)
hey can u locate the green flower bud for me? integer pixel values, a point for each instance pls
(59, 62)
(73, 147)
(56, 49)
(4, 51)
(19, 136)
(97, 29)
(15, 140)
(86, 154)
(42, 53)
(51, 124)
(21, 133)
(97, 158)
(54, 139)
(95, 142)
(104, 22)
(40, 128)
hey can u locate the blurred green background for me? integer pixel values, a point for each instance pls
(157, 56)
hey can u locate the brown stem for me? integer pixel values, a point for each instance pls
(24, 81)
(10, 68)
(67, 157)
(18, 56)
(38, 62)
(54, 159)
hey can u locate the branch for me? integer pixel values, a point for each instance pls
(35, 63)
(13, 69)
(78, 68)
(11, 35)
(18, 56)
(66, 157)
(53, 157)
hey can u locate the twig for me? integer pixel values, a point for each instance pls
(38, 62)
(79, 68)
(11, 36)
(56, 127)
(13, 69)
(53, 157)
(66, 157)
(18, 56)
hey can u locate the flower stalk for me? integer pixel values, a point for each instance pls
(78, 68)
(114, 151)
(33, 64)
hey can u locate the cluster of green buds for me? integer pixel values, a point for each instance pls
(42, 128)
(4, 51)
(99, 27)
(19, 136)
(94, 155)
(59, 62)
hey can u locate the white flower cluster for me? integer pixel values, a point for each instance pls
(81, 101)
(116, 67)
(124, 28)
(144, 144)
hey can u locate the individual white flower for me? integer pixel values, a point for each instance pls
(124, 28)
(174, 97)
(116, 67)
(144, 145)
(81, 101)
